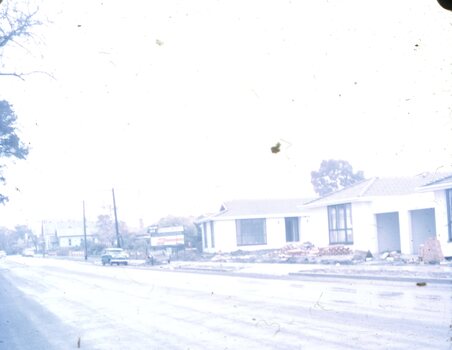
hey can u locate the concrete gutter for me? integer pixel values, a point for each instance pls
(288, 272)
(420, 279)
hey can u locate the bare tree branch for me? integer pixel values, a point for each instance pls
(17, 75)
(22, 76)
(15, 24)
(15, 28)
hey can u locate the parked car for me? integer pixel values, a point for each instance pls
(30, 252)
(116, 256)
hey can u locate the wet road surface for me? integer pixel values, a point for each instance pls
(57, 304)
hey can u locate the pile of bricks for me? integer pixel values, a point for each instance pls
(308, 249)
(430, 252)
(335, 250)
(303, 249)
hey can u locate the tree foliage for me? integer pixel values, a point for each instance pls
(334, 175)
(106, 231)
(10, 144)
(16, 23)
(190, 232)
(14, 241)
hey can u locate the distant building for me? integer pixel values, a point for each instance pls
(67, 234)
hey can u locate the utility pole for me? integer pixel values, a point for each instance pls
(118, 243)
(84, 232)
(43, 240)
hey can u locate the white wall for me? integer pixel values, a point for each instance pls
(403, 205)
(74, 242)
(442, 231)
(276, 233)
(385, 204)
(314, 227)
(364, 227)
(226, 239)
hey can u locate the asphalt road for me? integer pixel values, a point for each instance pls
(54, 304)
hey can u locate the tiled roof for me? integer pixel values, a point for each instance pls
(260, 208)
(389, 186)
(445, 180)
(363, 190)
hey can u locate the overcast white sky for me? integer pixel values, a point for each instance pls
(177, 103)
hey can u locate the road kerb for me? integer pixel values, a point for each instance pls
(373, 277)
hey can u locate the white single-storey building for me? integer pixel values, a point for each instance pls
(67, 234)
(442, 191)
(252, 225)
(378, 214)
(75, 240)
(71, 233)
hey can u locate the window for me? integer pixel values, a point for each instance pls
(212, 235)
(292, 234)
(204, 234)
(449, 212)
(69, 242)
(251, 232)
(340, 224)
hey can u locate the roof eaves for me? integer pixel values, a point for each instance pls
(430, 183)
(337, 201)
(205, 219)
(257, 216)
(434, 187)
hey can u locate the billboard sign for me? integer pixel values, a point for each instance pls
(167, 237)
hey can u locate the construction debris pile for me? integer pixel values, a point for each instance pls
(430, 252)
(291, 253)
(308, 253)
(334, 254)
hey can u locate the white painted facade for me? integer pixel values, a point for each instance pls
(364, 227)
(313, 226)
(380, 222)
(442, 227)
(225, 236)
(405, 206)
(364, 221)
(73, 241)
(65, 234)
(316, 229)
